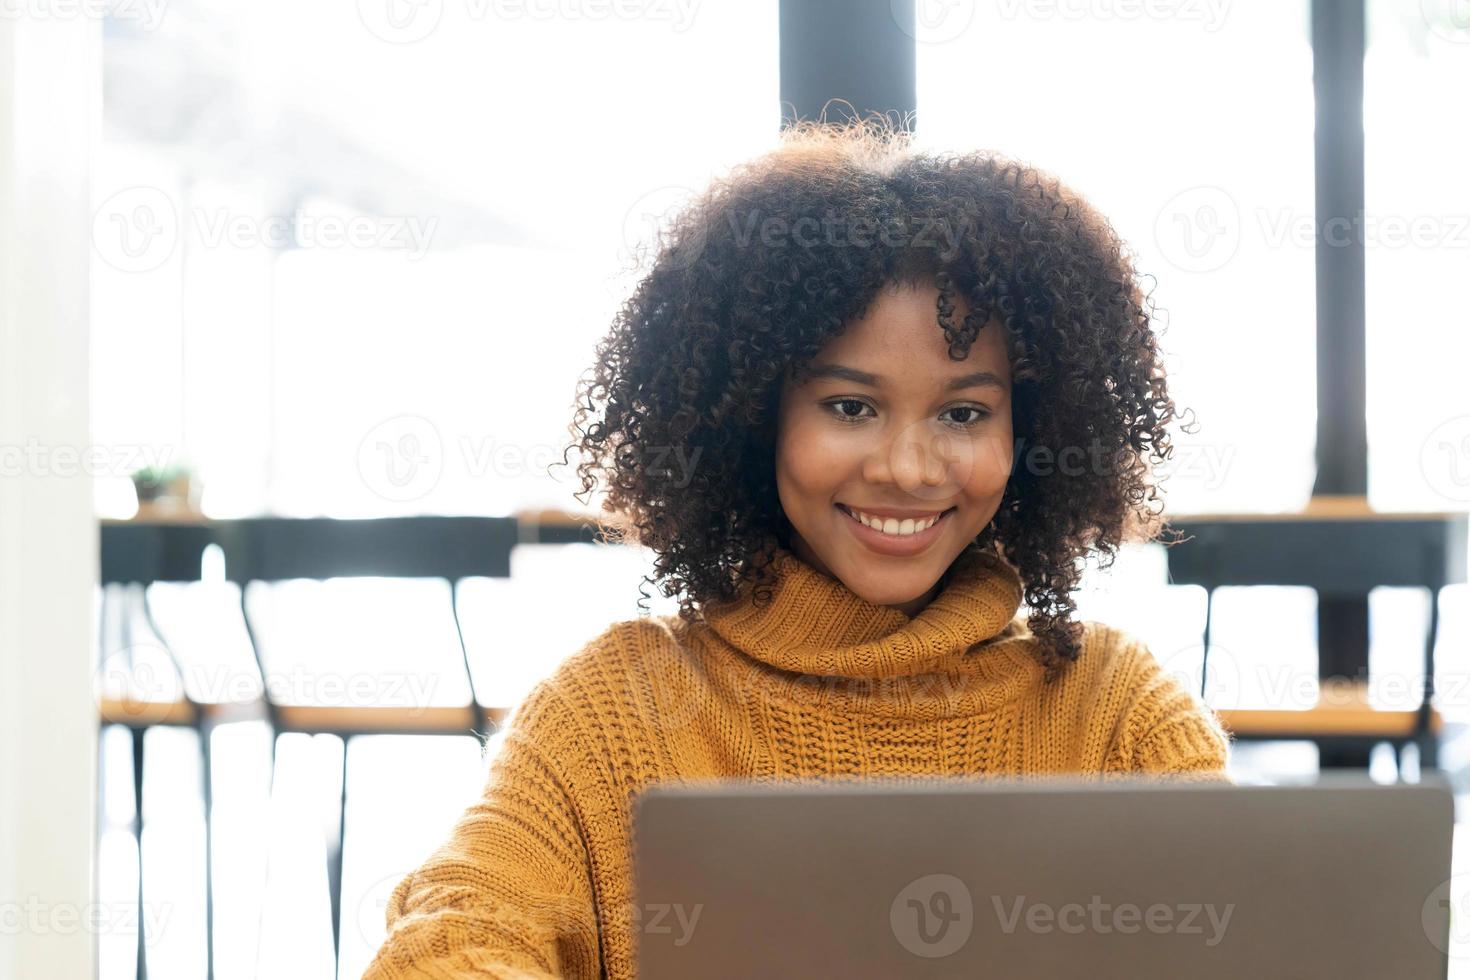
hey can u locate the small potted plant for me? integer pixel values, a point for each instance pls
(171, 489)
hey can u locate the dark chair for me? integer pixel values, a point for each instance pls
(1342, 549)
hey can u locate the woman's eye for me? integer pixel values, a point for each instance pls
(837, 405)
(850, 410)
(976, 415)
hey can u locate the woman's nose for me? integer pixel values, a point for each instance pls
(916, 459)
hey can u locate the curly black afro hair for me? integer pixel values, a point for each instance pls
(774, 259)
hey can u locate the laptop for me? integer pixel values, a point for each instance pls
(1123, 879)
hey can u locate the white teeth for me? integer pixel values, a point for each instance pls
(894, 526)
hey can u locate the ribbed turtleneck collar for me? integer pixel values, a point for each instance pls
(814, 624)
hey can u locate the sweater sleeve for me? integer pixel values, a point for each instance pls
(1165, 729)
(509, 895)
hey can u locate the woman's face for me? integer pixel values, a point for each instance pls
(888, 426)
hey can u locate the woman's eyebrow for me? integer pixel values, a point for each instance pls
(979, 379)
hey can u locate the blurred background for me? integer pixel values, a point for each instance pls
(295, 296)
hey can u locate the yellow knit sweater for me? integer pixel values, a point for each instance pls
(535, 880)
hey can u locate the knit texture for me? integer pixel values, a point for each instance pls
(535, 880)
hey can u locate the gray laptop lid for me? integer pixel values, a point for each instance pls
(1058, 879)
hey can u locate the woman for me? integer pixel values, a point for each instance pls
(866, 401)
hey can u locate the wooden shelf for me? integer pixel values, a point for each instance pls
(1321, 508)
(348, 719)
(1347, 712)
(359, 719)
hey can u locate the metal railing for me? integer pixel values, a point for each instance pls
(140, 553)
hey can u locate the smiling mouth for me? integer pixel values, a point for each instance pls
(893, 527)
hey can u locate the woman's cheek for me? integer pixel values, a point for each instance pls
(994, 456)
(802, 453)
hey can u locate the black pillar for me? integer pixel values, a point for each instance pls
(859, 51)
(1338, 43)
